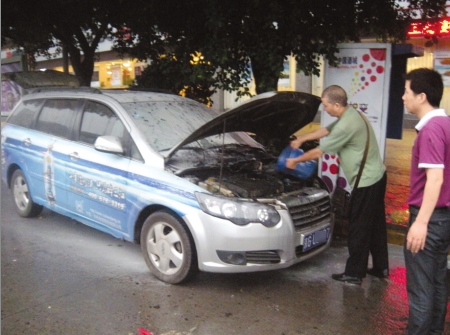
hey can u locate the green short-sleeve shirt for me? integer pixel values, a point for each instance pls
(347, 138)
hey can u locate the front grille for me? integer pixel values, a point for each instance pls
(262, 257)
(311, 213)
(308, 209)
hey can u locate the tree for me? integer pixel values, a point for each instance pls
(76, 25)
(191, 77)
(156, 31)
(237, 37)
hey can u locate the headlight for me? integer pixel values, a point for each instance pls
(238, 211)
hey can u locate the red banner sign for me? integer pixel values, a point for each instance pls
(428, 29)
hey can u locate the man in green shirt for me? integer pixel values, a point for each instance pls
(347, 138)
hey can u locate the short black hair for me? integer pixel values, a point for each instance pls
(335, 94)
(427, 81)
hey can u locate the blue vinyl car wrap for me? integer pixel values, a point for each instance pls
(198, 190)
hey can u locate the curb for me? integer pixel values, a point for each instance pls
(395, 233)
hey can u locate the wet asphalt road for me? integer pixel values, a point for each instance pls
(61, 277)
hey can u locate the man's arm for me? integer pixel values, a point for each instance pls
(307, 156)
(415, 240)
(315, 135)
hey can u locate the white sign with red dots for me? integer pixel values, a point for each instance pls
(364, 73)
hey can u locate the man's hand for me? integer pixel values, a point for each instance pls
(417, 235)
(295, 144)
(291, 163)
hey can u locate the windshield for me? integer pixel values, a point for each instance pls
(166, 123)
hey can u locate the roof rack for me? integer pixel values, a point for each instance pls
(63, 88)
(150, 89)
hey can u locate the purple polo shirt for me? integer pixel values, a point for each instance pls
(431, 150)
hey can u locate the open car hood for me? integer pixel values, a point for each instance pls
(270, 116)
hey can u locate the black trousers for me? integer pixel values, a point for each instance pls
(367, 232)
(426, 276)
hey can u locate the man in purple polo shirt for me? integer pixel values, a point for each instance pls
(428, 240)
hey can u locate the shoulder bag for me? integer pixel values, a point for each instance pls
(341, 199)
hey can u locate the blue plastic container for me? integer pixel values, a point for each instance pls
(303, 170)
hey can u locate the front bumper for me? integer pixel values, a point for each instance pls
(228, 248)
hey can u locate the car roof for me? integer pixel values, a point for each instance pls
(122, 95)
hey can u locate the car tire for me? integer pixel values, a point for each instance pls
(168, 248)
(25, 205)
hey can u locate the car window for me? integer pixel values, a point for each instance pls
(99, 120)
(57, 116)
(26, 113)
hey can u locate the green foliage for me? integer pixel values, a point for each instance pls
(253, 38)
(75, 25)
(427, 9)
(179, 76)
(238, 39)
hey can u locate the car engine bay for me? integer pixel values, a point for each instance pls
(236, 171)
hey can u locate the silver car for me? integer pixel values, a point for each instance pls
(198, 190)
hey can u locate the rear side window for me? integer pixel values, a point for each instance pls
(26, 113)
(57, 116)
(99, 120)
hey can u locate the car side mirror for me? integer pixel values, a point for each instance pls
(109, 144)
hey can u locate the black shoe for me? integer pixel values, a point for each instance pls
(346, 279)
(378, 273)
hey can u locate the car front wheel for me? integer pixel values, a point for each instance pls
(22, 199)
(168, 248)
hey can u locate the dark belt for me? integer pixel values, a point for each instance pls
(438, 210)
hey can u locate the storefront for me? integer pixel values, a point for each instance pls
(110, 70)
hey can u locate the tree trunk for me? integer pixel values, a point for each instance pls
(86, 70)
(65, 57)
(82, 66)
(266, 75)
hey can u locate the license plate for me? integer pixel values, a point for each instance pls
(315, 239)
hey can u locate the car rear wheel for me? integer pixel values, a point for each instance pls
(168, 248)
(22, 199)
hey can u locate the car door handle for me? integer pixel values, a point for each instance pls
(27, 142)
(74, 156)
